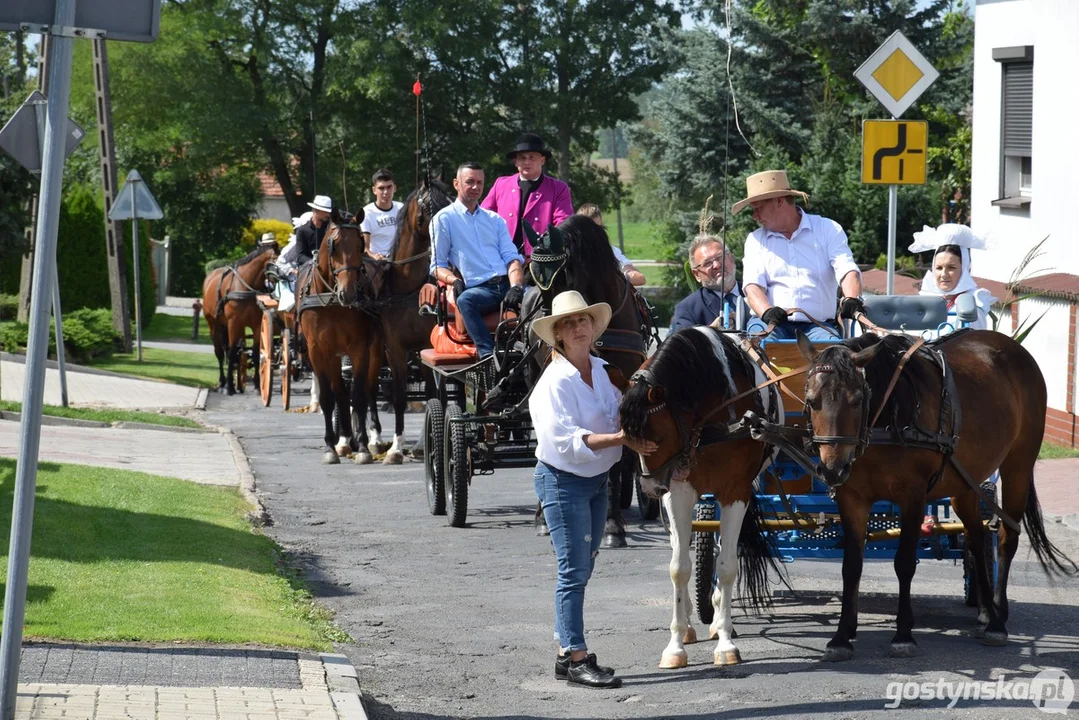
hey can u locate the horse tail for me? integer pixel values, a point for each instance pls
(758, 557)
(1052, 560)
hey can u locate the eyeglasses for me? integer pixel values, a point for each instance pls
(712, 262)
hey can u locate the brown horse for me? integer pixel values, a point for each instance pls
(332, 326)
(998, 391)
(404, 330)
(688, 399)
(579, 257)
(229, 305)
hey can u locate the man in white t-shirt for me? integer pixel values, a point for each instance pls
(379, 224)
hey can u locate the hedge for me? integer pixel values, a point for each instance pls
(88, 334)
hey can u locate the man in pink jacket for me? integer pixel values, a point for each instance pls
(530, 194)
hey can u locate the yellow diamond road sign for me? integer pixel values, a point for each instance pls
(893, 152)
(896, 74)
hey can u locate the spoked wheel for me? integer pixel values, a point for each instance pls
(647, 506)
(286, 367)
(704, 550)
(455, 467)
(266, 357)
(433, 436)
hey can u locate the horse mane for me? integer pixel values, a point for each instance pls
(921, 371)
(687, 367)
(439, 198)
(256, 253)
(589, 251)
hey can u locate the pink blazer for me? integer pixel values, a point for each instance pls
(549, 204)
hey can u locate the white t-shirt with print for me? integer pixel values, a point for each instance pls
(382, 225)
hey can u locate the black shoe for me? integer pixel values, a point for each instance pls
(588, 673)
(561, 662)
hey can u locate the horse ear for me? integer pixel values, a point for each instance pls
(530, 233)
(864, 357)
(358, 217)
(806, 347)
(656, 394)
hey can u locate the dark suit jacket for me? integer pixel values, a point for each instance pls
(702, 307)
(308, 240)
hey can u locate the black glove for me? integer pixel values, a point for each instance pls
(774, 316)
(514, 297)
(458, 288)
(848, 306)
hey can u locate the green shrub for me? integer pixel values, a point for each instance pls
(88, 334)
(9, 306)
(236, 254)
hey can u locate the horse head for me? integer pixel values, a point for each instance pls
(837, 400)
(255, 268)
(341, 256)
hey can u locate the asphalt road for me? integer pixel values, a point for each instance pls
(457, 622)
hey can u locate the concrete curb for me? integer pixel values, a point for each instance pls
(98, 425)
(344, 686)
(1071, 520)
(259, 516)
(201, 399)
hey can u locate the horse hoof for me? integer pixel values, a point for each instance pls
(614, 541)
(690, 637)
(978, 632)
(902, 650)
(343, 450)
(543, 530)
(230, 392)
(330, 458)
(727, 657)
(995, 638)
(313, 408)
(838, 654)
(363, 458)
(674, 661)
(393, 458)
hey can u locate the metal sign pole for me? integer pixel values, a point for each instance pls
(138, 288)
(893, 208)
(58, 319)
(22, 516)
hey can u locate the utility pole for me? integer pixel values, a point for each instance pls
(114, 239)
(26, 276)
(618, 197)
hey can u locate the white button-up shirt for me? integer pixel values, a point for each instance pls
(803, 271)
(564, 410)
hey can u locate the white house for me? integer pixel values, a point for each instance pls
(273, 205)
(1025, 161)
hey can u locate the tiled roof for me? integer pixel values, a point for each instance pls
(270, 188)
(1053, 285)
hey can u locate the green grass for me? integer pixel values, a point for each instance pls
(175, 328)
(107, 416)
(182, 368)
(654, 274)
(637, 238)
(1050, 451)
(126, 556)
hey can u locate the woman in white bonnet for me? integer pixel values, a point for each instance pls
(949, 275)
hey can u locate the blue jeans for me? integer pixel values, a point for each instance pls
(473, 304)
(575, 508)
(789, 330)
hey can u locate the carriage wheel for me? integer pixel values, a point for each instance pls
(286, 369)
(433, 432)
(648, 507)
(266, 358)
(455, 467)
(704, 549)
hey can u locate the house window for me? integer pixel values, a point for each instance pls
(1016, 127)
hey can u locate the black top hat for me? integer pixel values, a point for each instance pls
(529, 142)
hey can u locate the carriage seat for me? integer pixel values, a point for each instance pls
(906, 312)
(491, 319)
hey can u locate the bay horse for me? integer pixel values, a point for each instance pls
(577, 256)
(991, 380)
(404, 330)
(332, 326)
(687, 398)
(229, 304)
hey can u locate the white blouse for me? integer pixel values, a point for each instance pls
(564, 410)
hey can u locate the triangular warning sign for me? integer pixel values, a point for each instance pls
(135, 200)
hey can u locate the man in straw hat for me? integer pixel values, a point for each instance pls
(530, 194)
(309, 235)
(795, 260)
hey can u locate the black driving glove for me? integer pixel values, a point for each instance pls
(848, 306)
(774, 316)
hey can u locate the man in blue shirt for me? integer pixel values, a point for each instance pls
(718, 296)
(475, 242)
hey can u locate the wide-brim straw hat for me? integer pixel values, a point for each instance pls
(569, 303)
(766, 185)
(321, 202)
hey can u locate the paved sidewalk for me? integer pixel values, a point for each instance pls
(1057, 483)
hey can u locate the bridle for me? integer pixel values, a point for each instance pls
(332, 237)
(861, 440)
(686, 458)
(540, 259)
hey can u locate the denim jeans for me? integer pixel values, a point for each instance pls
(473, 304)
(575, 508)
(789, 330)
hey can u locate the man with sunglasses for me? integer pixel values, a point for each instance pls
(718, 296)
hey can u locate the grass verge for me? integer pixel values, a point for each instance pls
(107, 416)
(638, 238)
(175, 328)
(1050, 451)
(182, 368)
(126, 556)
